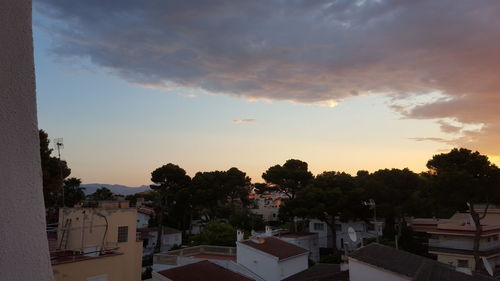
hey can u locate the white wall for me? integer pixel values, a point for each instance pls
(142, 220)
(293, 266)
(169, 240)
(323, 235)
(269, 267)
(360, 271)
(24, 252)
(309, 242)
(261, 264)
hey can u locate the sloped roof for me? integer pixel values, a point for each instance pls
(415, 267)
(321, 272)
(276, 247)
(202, 271)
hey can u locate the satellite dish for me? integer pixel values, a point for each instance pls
(352, 234)
(487, 265)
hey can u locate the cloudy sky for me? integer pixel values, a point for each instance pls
(343, 85)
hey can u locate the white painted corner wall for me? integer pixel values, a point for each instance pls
(24, 253)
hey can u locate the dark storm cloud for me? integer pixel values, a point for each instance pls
(305, 51)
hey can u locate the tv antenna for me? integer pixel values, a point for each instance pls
(58, 144)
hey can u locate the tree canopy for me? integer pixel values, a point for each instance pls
(73, 193)
(289, 178)
(54, 171)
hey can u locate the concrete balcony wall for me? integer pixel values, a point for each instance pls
(464, 244)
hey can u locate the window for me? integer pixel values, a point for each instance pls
(319, 226)
(462, 263)
(122, 234)
(495, 238)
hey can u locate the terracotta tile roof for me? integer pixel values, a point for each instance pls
(415, 267)
(202, 271)
(276, 247)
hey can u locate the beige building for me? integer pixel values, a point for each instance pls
(452, 240)
(97, 244)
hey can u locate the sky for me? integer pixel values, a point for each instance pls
(208, 85)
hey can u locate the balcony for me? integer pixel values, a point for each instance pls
(463, 244)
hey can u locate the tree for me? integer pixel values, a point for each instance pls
(73, 193)
(237, 186)
(462, 177)
(102, 194)
(289, 178)
(398, 193)
(54, 171)
(329, 195)
(168, 179)
(216, 233)
(216, 193)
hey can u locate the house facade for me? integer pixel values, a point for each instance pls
(452, 240)
(267, 205)
(364, 230)
(97, 244)
(271, 258)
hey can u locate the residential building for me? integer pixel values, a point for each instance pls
(258, 258)
(306, 240)
(202, 270)
(196, 227)
(452, 240)
(144, 214)
(149, 237)
(267, 205)
(376, 262)
(270, 258)
(97, 244)
(364, 230)
(170, 237)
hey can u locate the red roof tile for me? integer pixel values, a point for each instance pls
(276, 247)
(202, 271)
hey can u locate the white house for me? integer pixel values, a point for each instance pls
(170, 237)
(376, 262)
(144, 214)
(270, 258)
(267, 205)
(363, 230)
(306, 240)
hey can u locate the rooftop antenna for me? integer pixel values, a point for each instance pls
(58, 144)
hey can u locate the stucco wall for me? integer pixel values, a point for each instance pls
(126, 267)
(24, 253)
(359, 271)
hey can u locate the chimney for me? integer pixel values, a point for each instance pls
(239, 235)
(269, 231)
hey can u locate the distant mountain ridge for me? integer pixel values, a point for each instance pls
(115, 188)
